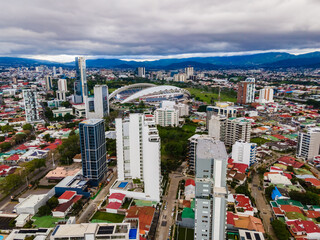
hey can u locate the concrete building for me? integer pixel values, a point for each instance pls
(189, 72)
(141, 72)
(221, 108)
(60, 71)
(167, 117)
(309, 144)
(31, 204)
(62, 85)
(54, 71)
(79, 110)
(61, 95)
(237, 129)
(93, 149)
(266, 95)
(90, 231)
(246, 91)
(98, 106)
(61, 112)
(180, 77)
(138, 153)
(31, 105)
(49, 82)
(37, 234)
(211, 191)
(244, 152)
(217, 127)
(80, 85)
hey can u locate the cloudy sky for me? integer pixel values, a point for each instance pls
(149, 29)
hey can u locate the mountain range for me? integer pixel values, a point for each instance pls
(272, 60)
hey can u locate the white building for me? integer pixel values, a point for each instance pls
(62, 85)
(180, 77)
(141, 72)
(62, 111)
(243, 152)
(181, 107)
(98, 107)
(167, 117)
(31, 204)
(31, 105)
(61, 95)
(189, 72)
(246, 91)
(266, 95)
(309, 144)
(138, 153)
(217, 126)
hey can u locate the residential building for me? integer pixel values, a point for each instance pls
(80, 85)
(211, 191)
(189, 72)
(167, 117)
(54, 71)
(60, 71)
(217, 127)
(89, 231)
(49, 82)
(266, 95)
(246, 91)
(309, 144)
(141, 72)
(138, 153)
(93, 149)
(98, 106)
(31, 105)
(244, 152)
(180, 77)
(61, 95)
(62, 85)
(221, 108)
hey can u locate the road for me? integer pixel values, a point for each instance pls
(93, 204)
(171, 201)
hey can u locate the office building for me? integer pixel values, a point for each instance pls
(193, 142)
(98, 106)
(221, 108)
(266, 95)
(80, 85)
(93, 150)
(31, 106)
(189, 72)
(246, 91)
(244, 152)
(138, 154)
(309, 144)
(167, 117)
(141, 72)
(211, 191)
(49, 83)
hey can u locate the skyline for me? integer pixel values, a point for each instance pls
(140, 30)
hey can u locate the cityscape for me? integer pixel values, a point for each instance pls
(128, 120)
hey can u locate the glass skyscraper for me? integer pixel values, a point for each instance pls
(93, 150)
(80, 85)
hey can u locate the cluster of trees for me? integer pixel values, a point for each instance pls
(51, 204)
(174, 146)
(306, 198)
(13, 181)
(280, 229)
(49, 115)
(112, 147)
(69, 148)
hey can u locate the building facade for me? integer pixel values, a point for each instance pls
(31, 105)
(189, 72)
(62, 85)
(167, 117)
(246, 91)
(49, 83)
(266, 95)
(309, 144)
(141, 72)
(80, 85)
(98, 106)
(93, 149)
(138, 152)
(211, 190)
(244, 152)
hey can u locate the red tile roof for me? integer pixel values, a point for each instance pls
(63, 207)
(230, 218)
(190, 182)
(240, 167)
(313, 214)
(118, 196)
(277, 211)
(303, 226)
(145, 215)
(14, 157)
(243, 201)
(313, 181)
(290, 208)
(68, 195)
(114, 205)
(290, 161)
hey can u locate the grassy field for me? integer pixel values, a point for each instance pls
(189, 128)
(185, 234)
(110, 217)
(45, 221)
(259, 140)
(295, 215)
(206, 96)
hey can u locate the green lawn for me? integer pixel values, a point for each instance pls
(295, 215)
(206, 96)
(126, 204)
(46, 221)
(110, 217)
(189, 128)
(185, 233)
(259, 140)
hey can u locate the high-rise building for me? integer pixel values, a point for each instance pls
(31, 105)
(80, 85)
(54, 71)
(189, 72)
(167, 117)
(61, 95)
(180, 77)
(193, 142)
(309, 143)
(246, 91)
(48, 82)
(93, 150)
(98, 107)
(266, 95)
(221, 108)
(60, 71)
(62, 85)
(138, 152)
(211, 191)
(217, 127)
(244, 152)
(141, 72)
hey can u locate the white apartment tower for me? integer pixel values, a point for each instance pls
(167, 117)
(211, 190)
(141, 72)
(138, 152)
(217, 127)
(244, 152)
(266, 95)
(189, 72)
(309, 144)
(62, 89)
(31, 105)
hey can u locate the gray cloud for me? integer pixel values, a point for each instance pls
(164, 27)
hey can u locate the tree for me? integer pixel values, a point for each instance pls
(10, 183)
(6, 128)
(20, 138)
(268, 192)
(290, 168)
(44, 211)
(68, 117)
(5, 146)
(53, 202)
(47, 137)
(280, 229)
(2, 138)
(27, 126)
(69, 148)
(48, 113)
(307, 198)
(65, 104)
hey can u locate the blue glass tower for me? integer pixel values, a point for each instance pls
(93, 150)
(80, 85)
